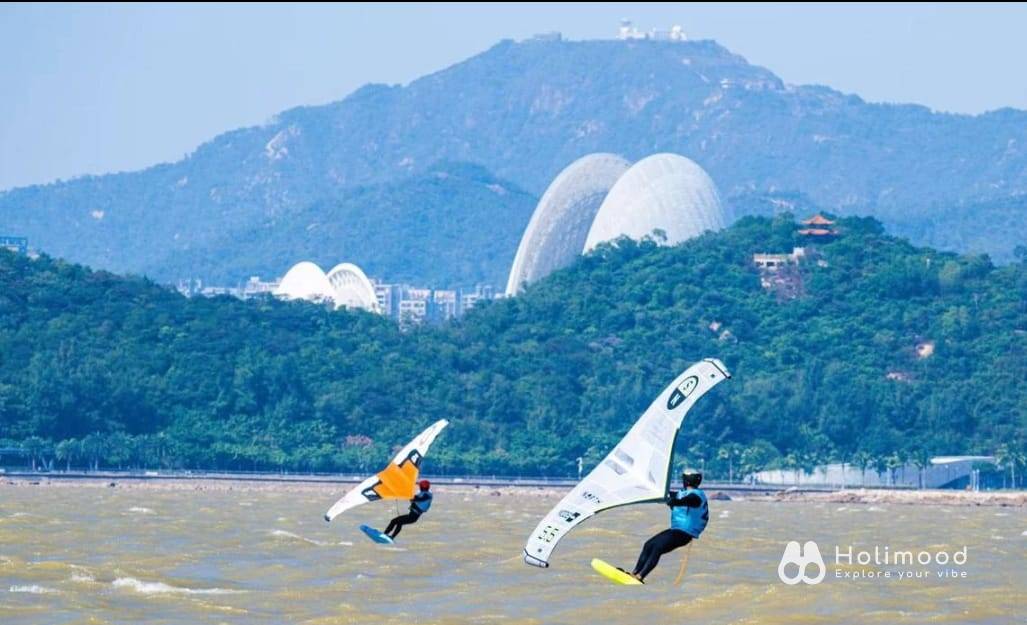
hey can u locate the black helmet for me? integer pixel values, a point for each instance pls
(692, 477)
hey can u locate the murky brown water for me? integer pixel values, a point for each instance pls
(93, 555)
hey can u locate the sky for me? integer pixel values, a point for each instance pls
(91, 89)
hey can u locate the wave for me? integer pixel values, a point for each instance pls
(160, 588)
(33, 590)
(20, 515)
(141, 510)
(320, 543)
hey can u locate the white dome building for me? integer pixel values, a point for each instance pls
(601, 197)
(306, 281)
(663, 191)
(345, 286)
(556, 233)
(352, 289)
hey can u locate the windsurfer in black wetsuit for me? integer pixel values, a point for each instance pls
(689, 514)
(418, 506)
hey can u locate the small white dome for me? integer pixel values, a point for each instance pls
(305, 280)
(351, 287)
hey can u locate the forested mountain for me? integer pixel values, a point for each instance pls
(880, 351)
(523, 111)
(452, 225)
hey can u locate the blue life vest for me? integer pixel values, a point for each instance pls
(422, 505)
(690, 520)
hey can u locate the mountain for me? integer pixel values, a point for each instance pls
(452, 225)
(989, 224)
(523, 111)
(883, 350)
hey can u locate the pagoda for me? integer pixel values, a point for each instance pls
(818, 227)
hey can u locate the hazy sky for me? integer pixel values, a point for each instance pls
(94, 89)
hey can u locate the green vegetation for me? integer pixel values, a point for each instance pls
(107, 371)
(466, 220)
(460, 216)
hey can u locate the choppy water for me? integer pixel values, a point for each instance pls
(94, 555)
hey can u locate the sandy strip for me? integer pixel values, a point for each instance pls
(848, 496)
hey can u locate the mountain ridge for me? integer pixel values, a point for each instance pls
(524, 110)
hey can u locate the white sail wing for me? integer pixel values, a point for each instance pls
(352, 499)
(637, 470)
(396, 480)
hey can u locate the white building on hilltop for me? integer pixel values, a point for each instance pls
(628, 32)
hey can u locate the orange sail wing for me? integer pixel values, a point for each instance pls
(396, 481)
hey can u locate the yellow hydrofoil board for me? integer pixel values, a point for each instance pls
(614, 574)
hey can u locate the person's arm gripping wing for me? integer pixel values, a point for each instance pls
(690, 500)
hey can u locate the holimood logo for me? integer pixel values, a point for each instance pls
(880, 562)
(800, 558)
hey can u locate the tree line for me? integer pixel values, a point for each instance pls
(889, 354)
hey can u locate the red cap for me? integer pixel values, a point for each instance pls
(424, 484)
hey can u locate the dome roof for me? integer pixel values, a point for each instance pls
(351, 287)
(558, 227)
(663, 191)
(305, 280)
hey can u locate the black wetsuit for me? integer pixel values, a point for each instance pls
(666, 541)
(418, 506)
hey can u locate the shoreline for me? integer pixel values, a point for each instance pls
(492, 488)
(869, 496)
